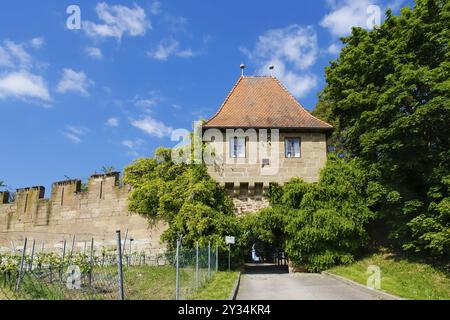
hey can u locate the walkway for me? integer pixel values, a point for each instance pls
(300, 286)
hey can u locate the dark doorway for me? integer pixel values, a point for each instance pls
(265, 258)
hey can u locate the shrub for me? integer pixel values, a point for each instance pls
(325, 222)
(184, 196)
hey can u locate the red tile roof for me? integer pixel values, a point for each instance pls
(263, 102)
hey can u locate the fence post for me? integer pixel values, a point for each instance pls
(19, 279)
(209, 260)
(124, 243)
(73, 245)
(217, 258)
(91, 262)
(119, 265)
(62, 260)
(30, 266)
(196, 268)
(129, 253)
(229, 257)
(177, 283)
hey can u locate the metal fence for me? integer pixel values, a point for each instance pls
(194, 267)
(106, 273)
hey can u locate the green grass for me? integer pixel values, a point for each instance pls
(219, 288)
(401, 277)
(157, 283)
(140, 283)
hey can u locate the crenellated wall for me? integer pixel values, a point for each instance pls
(97, 212)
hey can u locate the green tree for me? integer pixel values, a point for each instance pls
(184, 196)
(388, 96)
(326, 221)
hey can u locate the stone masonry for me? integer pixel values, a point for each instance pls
(247, 183)
(97, 212)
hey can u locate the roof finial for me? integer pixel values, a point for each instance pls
(242, 69)
(271, 67)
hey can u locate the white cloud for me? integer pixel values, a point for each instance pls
(346, 14)
(295, 44)
(185, 53)
(74, 134)
(112, 122)
(169, 47)
(299, 85)
(155, 8)
(292, 50)
(145, 103)
(5, 58)
(74, 81)
(334, 49)
(73, 138)
(24, 85)
(117, 21)
(18, 54)
(94, 53)
(152, 127)
(37, 42)
(164, 50)
(18, 81)
(132, 144)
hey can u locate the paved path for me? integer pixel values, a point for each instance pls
(299, 286)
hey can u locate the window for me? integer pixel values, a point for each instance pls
(292, 147)
(237, 147)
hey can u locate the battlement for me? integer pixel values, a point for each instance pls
(4, 197)
(99, 186)
(71, 210)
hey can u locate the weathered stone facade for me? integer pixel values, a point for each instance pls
(260, 112)
(248, 180)
(261, 104)
(96, 213)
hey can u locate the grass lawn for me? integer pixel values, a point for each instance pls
(401, 277)
(219, 288)
(157, 283)
(140, 283)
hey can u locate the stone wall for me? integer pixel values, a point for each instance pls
(97, 212)
(249, 181)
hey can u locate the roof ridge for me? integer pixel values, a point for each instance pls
(297, 102)
(226, 99)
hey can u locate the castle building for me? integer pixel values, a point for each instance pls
(263, 135)
(260, 135)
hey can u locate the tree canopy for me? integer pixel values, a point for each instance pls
(388, 94)
(184, 196)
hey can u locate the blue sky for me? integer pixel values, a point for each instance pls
(72, 101)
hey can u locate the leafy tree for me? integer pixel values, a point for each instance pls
(388, 96)
(265, 229)
(327, 221)
(184, 196)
